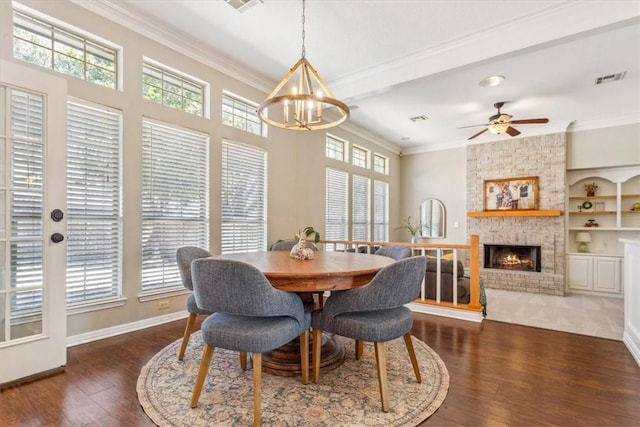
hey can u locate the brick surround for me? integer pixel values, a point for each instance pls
(542, 156)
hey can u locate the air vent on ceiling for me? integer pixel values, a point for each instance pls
(610, 78)
(243, 5)
(418, 118)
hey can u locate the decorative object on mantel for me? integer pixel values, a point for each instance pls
(591, 189)
(415, 230)
(303, 106)
(301, 250)
(511, 193)
(591, 223)
(583, 238)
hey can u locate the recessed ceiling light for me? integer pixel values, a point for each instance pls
(491, 81)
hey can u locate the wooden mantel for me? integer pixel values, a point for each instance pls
(513, 213)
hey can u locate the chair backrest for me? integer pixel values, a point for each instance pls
(396, 252)
(235, 287)
(185, 256)
(287, 245)
(393, 286)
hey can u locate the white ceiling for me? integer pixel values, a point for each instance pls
(396, 59)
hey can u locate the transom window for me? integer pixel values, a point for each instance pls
(50, 46)
(172, 89)
(359, 157)
(335, 148)
(241, 114)
(380, 164)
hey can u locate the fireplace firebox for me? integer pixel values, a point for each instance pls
(512, 257)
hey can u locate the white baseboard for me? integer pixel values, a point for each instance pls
(124, 328)
(632, 345)
(469, 316)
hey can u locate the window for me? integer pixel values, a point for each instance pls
(360, 211)
(336, 205)
(380, 211)
(175, 200)
(64, 51)
(22, 138)
(335, 148)
(172, 89)
(241, 114)
(94, 214)
(244, 198)
(359, 157)
(380, 164)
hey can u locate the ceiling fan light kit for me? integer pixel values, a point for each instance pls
(304, 106)
(501, 123)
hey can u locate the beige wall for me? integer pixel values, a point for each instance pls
(296, 160)
(606, 147)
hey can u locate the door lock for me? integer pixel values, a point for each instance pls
(57, 237)
(57, 215)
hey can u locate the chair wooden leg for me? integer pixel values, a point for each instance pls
(304, 356)
(359, 349)
(207, 354)
(381, 364)
(412, 356)
(187, 333)
(243, 360)
(257, 388)
(315, 353)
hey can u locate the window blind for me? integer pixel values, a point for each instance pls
(175, 200)
(361, 220)
(94, 215)
(336, 205)
(244, 195)
(380, 211)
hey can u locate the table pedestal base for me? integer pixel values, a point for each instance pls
(285, 361)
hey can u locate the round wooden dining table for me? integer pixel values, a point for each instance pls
(327, 271)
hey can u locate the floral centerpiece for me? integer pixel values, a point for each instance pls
(301, 250)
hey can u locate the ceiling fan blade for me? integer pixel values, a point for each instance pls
(473, 126)
(528, 121)
(479, 133)
(512, 131)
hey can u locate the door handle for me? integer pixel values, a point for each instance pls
(57, 237)
(57, 215)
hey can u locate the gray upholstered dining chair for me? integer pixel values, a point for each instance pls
(185, 256)
(249, 315)
(374, 313)
(396, 252)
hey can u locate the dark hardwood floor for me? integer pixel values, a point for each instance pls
(500, 375)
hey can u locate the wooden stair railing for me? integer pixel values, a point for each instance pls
(470, 258)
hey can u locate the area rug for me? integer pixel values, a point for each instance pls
(346, 396)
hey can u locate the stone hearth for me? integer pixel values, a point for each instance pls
(541, 156)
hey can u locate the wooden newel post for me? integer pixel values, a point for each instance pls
(474, 259)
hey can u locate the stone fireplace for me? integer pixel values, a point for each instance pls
(542, 156)
(512, 257)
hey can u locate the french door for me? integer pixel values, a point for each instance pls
(32, 222)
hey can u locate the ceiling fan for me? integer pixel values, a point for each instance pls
(501, 123)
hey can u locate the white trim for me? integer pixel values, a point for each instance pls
(124, 328)
(89, 306)
(631, 346)
(469, 316)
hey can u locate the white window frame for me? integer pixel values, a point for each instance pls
(51, 33)
(380, 164)
(360, 156)
(380, 211)
(243, 112)
(336, 205)
(360, 207)
(336, 148)
(183, 84)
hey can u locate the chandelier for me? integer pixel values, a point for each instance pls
(303, 104)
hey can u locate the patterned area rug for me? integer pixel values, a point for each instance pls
(346, 396)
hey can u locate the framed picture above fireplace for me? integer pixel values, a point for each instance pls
(511, 193)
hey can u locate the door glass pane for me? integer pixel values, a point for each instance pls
(26, 324)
